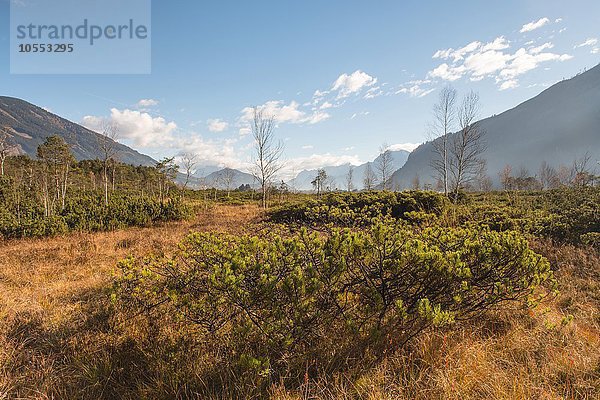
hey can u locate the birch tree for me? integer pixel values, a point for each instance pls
(466, 146)
(369, 178)
(384, 165)
(268, 151)
(444, 118)
(56, 158)
(107, 142)
(7, 147)
(189, 162)
(349, 179)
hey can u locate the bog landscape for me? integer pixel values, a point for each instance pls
(463, 267)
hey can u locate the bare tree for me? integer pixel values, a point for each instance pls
(268, 151)
(189, 162)
(484, 182)
(228, 177)
(582, 171)
(384, 165)
(444, 113)
(506, 177)
(369, 179)
(7, 147)
(565, 175)
(107, 142)
(547, 176)
(349, 179)
(416, 182)
(467, 145)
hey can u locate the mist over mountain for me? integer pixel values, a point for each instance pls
(558, 126)
(30, 125)
(337, 175)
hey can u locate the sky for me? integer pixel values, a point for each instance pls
(340, 77)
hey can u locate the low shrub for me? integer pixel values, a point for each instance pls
(358, 209)
(276, 303)
(88, 213)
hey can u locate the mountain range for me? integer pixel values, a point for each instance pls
(337, 175)
(558, 126)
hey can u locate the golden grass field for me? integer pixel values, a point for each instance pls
(61, 338)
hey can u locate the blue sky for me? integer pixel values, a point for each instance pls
(342, 77)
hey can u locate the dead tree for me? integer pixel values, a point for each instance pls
(268, 152)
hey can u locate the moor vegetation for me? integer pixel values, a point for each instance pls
(366, 295)
(54, 194)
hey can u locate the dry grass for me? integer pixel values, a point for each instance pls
(54, 308)
(60, 337)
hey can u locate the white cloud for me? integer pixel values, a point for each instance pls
(285, 113)
(147, 132)
(534, 25)
(360, 114)
(478, 61)
(308, 147)
(558, 20)
(139, 127)
(347, 85)
(588, 42)
(404, 146)
(523, 61)
(415, 91)
(539, 49)
(244, 131)
(447, 73)
(374, 92)
(213, 152)
(595, 50)
(510, 84)
(314, 161)
(145, 103)
(217, 125)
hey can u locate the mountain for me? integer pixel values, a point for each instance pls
(558, 126)
(337, 175)
(29, 126)
(228, 178)
(205, 170)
